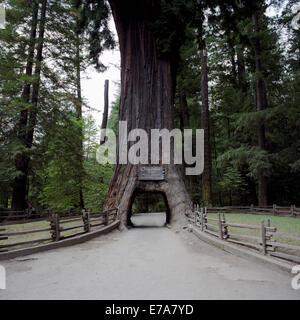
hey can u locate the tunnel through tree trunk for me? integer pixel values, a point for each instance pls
(152, 196)
(147, 99)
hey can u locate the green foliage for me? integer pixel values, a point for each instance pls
(94, 18)
(236, 157)
(56, 173)
(113, 120)
(61, 188)
(232, 185)
(97, 177)
(62, 162)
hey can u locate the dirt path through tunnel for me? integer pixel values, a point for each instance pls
(143, 263)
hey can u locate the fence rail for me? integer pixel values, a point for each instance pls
(59, 228)
(263, 242)
(291, 211)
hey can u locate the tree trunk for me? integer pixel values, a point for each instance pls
(37, 73)
(206, 176)
(28, 72)
(147, 101)
(79, 118)
(233, 63)
(184, 124)
(19, 188)
(241, 71)
(261, 104)
(105, 113)
(213, 135)
(184, 110)
(232, 54)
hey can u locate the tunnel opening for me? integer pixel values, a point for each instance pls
(148, 209)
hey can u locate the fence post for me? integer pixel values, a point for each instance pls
(274, 209)
(83, 218)
(252, 208)
(54, 225)
(292, 211)
(86, 220)
(220, 226)
(225, 228)
(263, 238)
(49, 212)
(202, 220)
(106, 217)
(89, 220)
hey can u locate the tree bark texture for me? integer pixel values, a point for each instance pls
(206, 176)
(147, 101)
(261, 104)
(21, 161)
(242, 70)
(80, 172)
(37, 73)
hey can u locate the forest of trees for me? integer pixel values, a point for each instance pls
(237, 77)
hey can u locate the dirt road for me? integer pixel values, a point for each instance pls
(143, 263)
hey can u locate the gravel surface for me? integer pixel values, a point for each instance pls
(143, 263)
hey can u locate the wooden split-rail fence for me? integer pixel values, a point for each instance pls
(263, 241)
(60, 228)
(275, 210)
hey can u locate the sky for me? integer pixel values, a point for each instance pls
(93, 82)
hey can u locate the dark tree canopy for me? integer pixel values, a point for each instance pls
(219, 65)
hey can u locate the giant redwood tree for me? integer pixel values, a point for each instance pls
(28, 116)
(149, 50)
(261, 104)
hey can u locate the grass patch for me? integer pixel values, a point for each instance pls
(44, 224)
(283, 224)
(21, 227)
